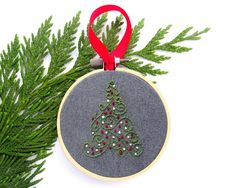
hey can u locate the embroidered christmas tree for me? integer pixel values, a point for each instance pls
(111, 129)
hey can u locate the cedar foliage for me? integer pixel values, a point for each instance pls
(30, 94)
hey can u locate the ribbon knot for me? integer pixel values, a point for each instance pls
(110, 64)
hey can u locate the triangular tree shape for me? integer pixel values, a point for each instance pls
(111, 129)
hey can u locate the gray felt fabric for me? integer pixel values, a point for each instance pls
(144, 108)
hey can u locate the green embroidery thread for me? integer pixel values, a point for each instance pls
(112, 129)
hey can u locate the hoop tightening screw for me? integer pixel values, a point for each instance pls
(97, 61)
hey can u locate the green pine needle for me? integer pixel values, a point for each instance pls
(32, 54)
(111, 37)
(134, 38)
(30, 94)
(138, 66)
(62, 46)
(85, 50)
(149, 52)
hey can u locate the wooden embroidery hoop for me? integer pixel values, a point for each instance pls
(92, 174)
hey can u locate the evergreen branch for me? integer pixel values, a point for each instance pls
(155, 41)
(32, 55)
(28, 112)
(181, 37)
(9, 83)
(152, 56)
(32, 130)
(62, 46)
(85, 50)
(111, 37)
(138, 66)
(134, 38)
(99, 25)
(19, 171)
(149, 51)
(9, 89)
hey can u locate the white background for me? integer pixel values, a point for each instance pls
(199, 89)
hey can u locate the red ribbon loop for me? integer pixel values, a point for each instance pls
(99, 47)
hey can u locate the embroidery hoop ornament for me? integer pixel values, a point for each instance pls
(110, 62)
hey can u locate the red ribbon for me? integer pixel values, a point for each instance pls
(99, 47)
